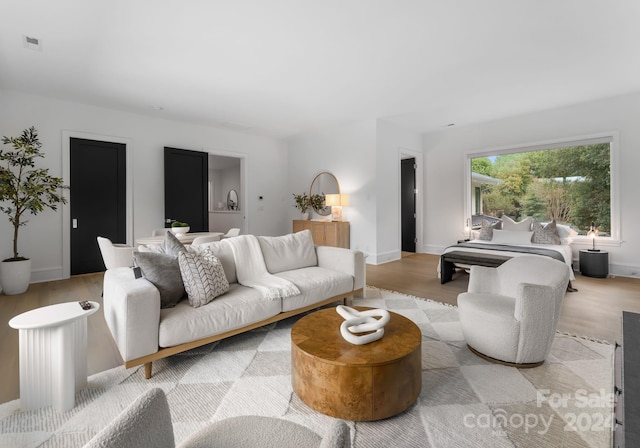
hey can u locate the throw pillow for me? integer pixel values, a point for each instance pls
(164, 272)
(486, 231)
(203, 277)
(223, 251)
(516, 237)
(172, 245)
(288, 252)
(545, 235)
(521, 226)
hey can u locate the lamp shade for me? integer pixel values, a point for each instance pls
(332, 200)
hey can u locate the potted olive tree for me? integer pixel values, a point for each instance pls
(23, 188)
(304, 202)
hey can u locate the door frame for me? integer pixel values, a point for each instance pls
(66, 171)
(244, 167)
(405, 153)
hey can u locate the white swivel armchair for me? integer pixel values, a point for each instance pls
(115, 255)
(510, 313)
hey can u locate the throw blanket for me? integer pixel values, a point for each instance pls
(252, 271)
(520, 249)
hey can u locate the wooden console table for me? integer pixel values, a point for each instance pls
(325, 233)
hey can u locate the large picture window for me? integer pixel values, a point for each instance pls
(569, 182)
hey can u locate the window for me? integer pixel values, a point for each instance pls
(570, 182)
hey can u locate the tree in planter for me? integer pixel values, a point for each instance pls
(305, 202)
(24, 187)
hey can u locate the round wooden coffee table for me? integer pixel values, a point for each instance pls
(355, 382)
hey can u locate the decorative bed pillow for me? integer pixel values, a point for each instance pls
(164, 272)
(511, 237)
(565, 232)
(288, 252)
(522, 226)
(545, 235)
(486, 231)
(203, 277)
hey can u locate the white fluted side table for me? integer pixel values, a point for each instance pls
(53, 354)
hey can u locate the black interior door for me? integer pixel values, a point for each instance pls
(97, 200)
(186, 175)
(408, 204)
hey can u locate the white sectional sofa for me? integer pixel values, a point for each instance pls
(144, 332)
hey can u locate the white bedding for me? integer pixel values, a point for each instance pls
(564, 249)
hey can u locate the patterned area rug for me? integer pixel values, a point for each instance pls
(465, 401)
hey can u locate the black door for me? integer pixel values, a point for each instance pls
(98, 197)
(408, 204)
(186, 174)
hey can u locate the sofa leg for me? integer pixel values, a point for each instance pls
(147, 370)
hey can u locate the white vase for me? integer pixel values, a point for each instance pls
(305, 216)
(15, 276)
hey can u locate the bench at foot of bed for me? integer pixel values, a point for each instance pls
(449, 259)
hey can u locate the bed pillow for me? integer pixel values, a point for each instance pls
(547, 234)
(203, 277)
(521, 226)
(486, 231)
(164, 272)
(566, 233)
(511, 237)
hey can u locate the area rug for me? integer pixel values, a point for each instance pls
(465, 401)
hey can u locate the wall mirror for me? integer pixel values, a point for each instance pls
(324, 183)
(232, 200)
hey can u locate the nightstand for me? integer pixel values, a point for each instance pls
(594, 263)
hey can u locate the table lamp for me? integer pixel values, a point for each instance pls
(593, 233)
(336, 202)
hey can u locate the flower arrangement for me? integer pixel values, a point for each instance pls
(304, 202)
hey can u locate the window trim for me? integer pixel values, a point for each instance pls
(611, 137)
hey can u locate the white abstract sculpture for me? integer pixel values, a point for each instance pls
(360, 322)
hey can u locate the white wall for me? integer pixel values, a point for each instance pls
(445, 158)
(348, 152)
(391, 143)
(41, 239)
(365, 158)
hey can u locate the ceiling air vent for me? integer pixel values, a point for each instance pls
(32, 43)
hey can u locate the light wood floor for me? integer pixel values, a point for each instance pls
(593, 311)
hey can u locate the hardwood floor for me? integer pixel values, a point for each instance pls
(595, 310)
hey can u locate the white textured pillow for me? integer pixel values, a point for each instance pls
(203, 277)
(545, 235)
(223, 251)
(522, 226)
(511, 237)
(288, 252)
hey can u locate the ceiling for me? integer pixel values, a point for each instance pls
(285, 67)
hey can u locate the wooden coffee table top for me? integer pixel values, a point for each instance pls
(318, 335)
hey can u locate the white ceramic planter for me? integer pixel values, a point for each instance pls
(304, 216)
(15, 276)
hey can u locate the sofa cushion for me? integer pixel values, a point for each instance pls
(315, 284)
(164, 272)
(239, 307)
(287, 252)
(223, 251)
(203, 277)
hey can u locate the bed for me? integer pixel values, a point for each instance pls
(494, 246)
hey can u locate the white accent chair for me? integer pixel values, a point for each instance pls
(231, 233)
(510, 313)
(115, 255)
(159, 232)
(204, 239)
(147, 423)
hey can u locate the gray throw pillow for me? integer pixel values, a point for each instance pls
(545, 235)
(203, 277)
(172, 245)
(486, 231)
(164, 272)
